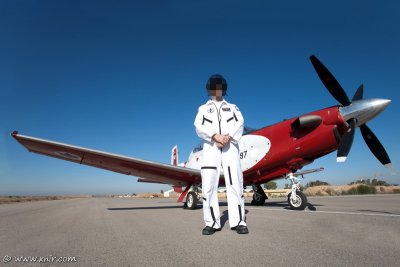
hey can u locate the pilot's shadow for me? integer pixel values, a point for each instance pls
(225, 217)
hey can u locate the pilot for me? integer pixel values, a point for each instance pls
(220, 125)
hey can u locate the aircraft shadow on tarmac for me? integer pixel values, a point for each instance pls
(281, 204)
(378, 211)
(285, 205)
(146, 208)
(224, 217)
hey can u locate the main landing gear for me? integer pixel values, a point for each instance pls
(296, 199)
(259, 196)
(192, 198)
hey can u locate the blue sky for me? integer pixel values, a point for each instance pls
(127, 77)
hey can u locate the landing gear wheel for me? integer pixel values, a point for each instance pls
(259, 195)
(191, 200)
(258, 199)
(299, 203)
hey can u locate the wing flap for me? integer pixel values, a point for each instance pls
(148, 170)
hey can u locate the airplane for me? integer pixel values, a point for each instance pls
(277, 151)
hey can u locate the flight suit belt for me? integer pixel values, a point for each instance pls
(209, 168)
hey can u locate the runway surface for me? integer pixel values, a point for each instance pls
(332, 231)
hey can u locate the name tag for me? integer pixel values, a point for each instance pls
(226, 109)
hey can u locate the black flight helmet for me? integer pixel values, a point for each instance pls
(214, 80)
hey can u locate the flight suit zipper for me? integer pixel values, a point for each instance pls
(219, 118)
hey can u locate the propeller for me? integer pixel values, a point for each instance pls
(336, 90)
(346, 141)
(359, 93)
(374, 145)
(330, 82)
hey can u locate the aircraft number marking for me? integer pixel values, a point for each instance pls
(243, 154)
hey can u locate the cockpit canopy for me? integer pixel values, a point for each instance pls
(248, 130)
(198, 148)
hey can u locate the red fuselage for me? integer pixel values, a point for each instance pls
(291, 149)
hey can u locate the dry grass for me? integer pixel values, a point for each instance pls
(149, 195)
(332, 190)
(16, 199)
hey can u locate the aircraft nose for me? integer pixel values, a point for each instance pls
(378, 106)
(381, 104)
(364, 110)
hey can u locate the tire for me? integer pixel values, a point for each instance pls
(300, 203)
(191, 200)
(258, 200)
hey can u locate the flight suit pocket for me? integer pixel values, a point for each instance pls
(206, 120)
(232, 118)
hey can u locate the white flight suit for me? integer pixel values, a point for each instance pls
(225, 119)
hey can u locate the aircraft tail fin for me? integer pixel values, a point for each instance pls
(174, 156)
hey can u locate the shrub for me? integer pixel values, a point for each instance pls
(378, 182)
(365, 189)
(362, 189)
(271, 185)
(351, 191)
(316, 183)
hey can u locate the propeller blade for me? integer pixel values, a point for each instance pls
(330, 82)
(359, 93)
(346, 142)
(375, 146)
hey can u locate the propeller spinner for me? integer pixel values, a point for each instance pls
(355, 113)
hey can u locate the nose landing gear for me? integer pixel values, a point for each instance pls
(296, 199)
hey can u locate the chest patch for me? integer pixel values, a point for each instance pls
(226, 109)
(210, 110)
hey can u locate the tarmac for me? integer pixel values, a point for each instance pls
(332, 231)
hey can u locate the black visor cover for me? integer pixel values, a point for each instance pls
(215, 80)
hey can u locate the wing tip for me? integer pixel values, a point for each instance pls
(341, 159)
(14, 134)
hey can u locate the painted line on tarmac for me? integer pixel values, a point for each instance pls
(331, 212)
